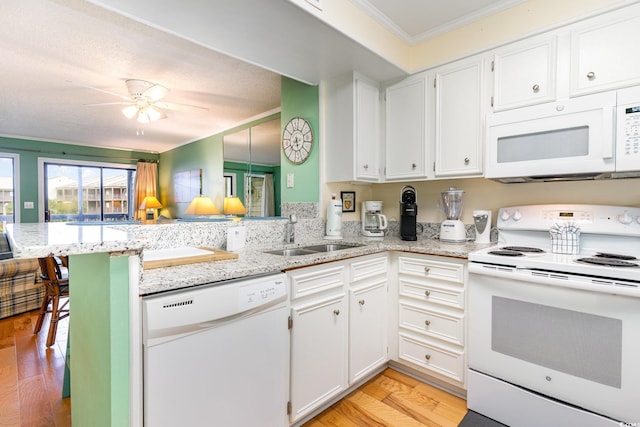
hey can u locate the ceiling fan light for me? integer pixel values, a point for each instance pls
(153, 112)
(130, 111)
(143, 117)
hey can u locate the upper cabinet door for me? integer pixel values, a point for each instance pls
(406, 128)
(367, 123)
(604, 52)
(525, 74)
(459, 118)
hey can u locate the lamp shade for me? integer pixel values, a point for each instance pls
(233, 206)
(202, 205)
(150, 202)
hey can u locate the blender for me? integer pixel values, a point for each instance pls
(452, 230)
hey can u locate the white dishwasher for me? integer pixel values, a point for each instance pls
(217, 355)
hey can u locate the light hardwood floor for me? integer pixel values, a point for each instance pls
(393, 399)
(31, 374)
(31, 378)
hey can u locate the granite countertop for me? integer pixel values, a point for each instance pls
(253, 261)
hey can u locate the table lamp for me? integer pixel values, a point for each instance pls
(202, 205)
(150, 204)
(233, 206)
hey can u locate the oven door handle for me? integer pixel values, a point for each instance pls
(551, 278)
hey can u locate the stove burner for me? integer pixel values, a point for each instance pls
(523, 249)
(615, 256)
(608, 262)
(506, 252)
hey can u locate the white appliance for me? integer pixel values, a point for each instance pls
(452, 229)
(553, 338)
(217, 355)
(482, 222)
(571, 138)
(628, 133)
(334, 219)
(373, 221)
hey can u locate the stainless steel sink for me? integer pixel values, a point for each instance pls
(292, 252)
(330, 247)
(313, 249)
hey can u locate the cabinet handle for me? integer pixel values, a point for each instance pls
(536, 88)
(427, 322)
(361, 302)
(336, 312)
(413, 165)
(466, 160)
(427, 293)
(427, 269)
(427, 357)
(366, 167)
(591, 75)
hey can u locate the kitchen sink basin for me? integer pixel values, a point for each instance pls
(292, 252)
(330, 247)
(313, 249)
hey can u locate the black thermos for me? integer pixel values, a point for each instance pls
(408, 213)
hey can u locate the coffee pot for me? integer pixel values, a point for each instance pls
(373, 221)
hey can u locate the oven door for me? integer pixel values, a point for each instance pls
(572, 137)
(578, 346)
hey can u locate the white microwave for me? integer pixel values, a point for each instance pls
(568, 139)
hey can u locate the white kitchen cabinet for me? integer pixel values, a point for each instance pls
(525, 73)
(352, 129)
(604, 52)
(367, 316)
(405, 136)
(319, 322)
(459, 118)
(431, 316)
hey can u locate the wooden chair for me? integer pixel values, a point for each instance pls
(55, 278)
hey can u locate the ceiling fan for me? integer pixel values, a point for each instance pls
(143, 102)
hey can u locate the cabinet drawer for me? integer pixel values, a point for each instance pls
(369, 267)
(309, 281)
(441, 360)
(448, 326)
(435, 293)
(431, 269)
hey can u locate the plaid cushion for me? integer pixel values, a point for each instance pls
(21, 289)
(4, 244)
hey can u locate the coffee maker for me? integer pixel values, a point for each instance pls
(408, 213)
(373, 221)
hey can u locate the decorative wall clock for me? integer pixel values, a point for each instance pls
(297, 140)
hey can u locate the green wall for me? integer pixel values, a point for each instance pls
(30, 151)
(301, 100)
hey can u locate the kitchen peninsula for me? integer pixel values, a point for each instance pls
(107, 283)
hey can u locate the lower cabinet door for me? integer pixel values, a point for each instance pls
(367, 329)
(318, 353)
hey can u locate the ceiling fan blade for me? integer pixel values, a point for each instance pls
(155, 92)
(180, 107)
(100, 104)
(119, 95)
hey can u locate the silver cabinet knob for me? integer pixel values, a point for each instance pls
(427, 293)
(361, 302)
(426, 270)
(591, 75)
(336, 312)
(536, 88)
(413, 165)
(466, 160)
(427, 357)
(427, 322)
(366, 167)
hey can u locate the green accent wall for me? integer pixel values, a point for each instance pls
(99, 359)
(301, 100)
(30, 151)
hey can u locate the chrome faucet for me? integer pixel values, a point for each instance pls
(289, 231)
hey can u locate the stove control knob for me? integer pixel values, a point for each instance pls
(505, 215)
(625, 218)
(517, 216)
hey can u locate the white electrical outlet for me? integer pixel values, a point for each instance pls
(28, 205)
(289, 180)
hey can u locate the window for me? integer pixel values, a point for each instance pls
(9, 187)
(87, 192)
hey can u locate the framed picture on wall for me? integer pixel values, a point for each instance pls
(348, 201)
